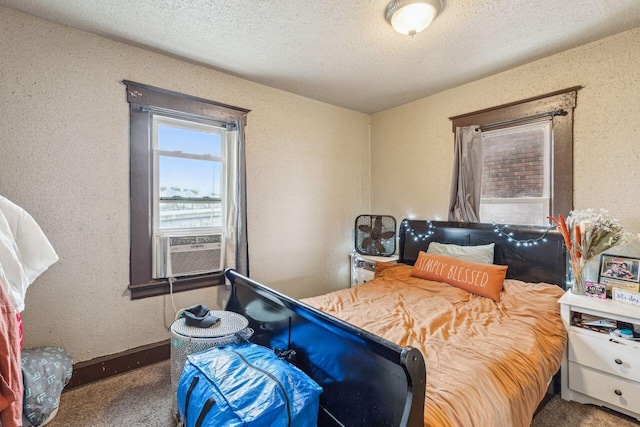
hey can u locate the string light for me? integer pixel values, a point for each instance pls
(500, 230)
(418, 236)
(527, 242)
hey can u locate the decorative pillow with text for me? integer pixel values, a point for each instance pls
(481, 279)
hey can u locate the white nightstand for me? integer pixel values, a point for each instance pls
(599, 368)
(363, 267)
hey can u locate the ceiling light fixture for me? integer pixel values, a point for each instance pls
(411, 16)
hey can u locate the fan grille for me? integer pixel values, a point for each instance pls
(375, 235)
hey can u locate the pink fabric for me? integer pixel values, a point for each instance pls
(19, 319)
(11, 388)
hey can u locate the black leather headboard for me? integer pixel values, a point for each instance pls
(544, 262)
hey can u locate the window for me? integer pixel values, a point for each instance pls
(187, 185)
(516, 174)
(527, 149)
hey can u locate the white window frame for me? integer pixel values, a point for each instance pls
(193, 125)
(547, 127)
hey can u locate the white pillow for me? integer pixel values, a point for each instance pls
(480, 253)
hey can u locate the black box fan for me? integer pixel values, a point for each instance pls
(375, 235)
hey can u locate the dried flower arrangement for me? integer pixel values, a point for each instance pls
(587, 233)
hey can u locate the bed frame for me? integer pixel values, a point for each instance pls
(367, 380)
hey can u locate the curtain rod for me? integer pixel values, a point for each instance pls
(552, 114)
(187, 116)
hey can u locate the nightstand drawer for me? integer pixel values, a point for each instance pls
(613, 390)
(606, 354)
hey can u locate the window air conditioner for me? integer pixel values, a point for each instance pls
(187, 254)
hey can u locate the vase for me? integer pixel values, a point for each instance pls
(578, 287)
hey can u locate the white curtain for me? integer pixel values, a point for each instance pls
(231, 217)
(466, 183)
(236, 247)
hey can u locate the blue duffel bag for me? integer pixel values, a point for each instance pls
(245, 385)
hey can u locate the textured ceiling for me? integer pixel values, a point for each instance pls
(344, 52)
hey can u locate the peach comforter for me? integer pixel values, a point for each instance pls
(488, 363)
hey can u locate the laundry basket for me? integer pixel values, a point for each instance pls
(185, 340)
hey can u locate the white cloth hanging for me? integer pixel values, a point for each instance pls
(25, 252)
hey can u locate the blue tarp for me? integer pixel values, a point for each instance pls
(245, 385)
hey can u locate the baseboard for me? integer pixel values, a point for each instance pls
(114, 364)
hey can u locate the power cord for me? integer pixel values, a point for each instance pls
(176, 313)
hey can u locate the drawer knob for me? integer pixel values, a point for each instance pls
(618, 361)
(618, 392)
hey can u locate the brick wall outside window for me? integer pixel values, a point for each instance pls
(513, 165)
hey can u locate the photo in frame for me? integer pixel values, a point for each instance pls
(620, 272)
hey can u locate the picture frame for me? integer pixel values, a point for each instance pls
(620, 272)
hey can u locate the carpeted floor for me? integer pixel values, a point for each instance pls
(560, 413)
(142, 398)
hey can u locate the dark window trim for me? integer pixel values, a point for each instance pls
(142, 100)
(565, 99)
(150, 96)
(157, 287)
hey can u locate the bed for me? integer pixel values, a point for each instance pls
(374, 374)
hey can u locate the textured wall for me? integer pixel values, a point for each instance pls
(64, 137)
(64, 157)
(412, 145)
